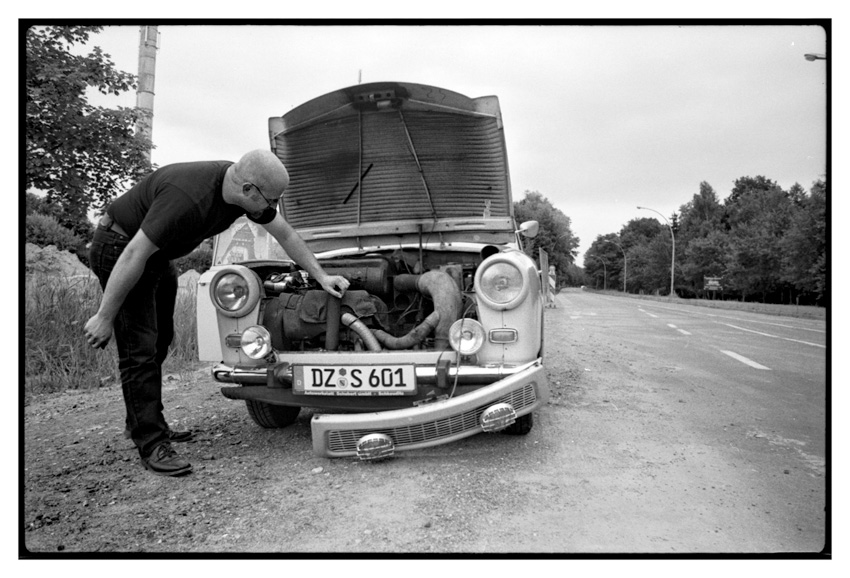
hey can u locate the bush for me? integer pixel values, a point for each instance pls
(43, 230)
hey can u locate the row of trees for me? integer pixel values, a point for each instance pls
(765, 243)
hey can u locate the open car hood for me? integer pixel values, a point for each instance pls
(388, 163)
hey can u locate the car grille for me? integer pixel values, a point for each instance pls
(346, 440)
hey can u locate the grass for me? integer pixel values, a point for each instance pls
(57, 357)
(801, 311)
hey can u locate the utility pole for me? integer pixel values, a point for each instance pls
(148, 45)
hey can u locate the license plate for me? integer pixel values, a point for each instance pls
(354, 379)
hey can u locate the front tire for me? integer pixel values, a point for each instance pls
(521, 426)
(271, 416)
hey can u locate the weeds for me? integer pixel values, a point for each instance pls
(56, 355)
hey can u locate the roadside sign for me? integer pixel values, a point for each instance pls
(712, 284)
(547, 279)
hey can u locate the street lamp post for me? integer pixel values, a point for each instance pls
(811, 57)
(625, 263)
(673, 260)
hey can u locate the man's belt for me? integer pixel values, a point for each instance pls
(109, 223)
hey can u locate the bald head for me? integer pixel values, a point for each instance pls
(263, 169)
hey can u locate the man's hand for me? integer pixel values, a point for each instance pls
(335, 285)
(98, 331)
(298, 251)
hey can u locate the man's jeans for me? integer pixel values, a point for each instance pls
(144, 328)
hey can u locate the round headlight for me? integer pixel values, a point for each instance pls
(235, 291)
(501, 283)
(231, 292)
(256, 342)
(466, 336)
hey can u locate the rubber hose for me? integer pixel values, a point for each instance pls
(445, 294)
(332, 327)
(415, 337)
(360, 329)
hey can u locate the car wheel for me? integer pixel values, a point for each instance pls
(521, 426)
(271, 416)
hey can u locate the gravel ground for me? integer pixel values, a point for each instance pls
(252, 490)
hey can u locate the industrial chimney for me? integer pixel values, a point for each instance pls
(148, 44)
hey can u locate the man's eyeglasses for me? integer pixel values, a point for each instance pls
(272, 203)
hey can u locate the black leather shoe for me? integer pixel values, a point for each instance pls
(173, 436)
(164, 461)
(179, 436)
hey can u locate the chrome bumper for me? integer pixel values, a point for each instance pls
(225, 373)
(426, 370)
(435, 423)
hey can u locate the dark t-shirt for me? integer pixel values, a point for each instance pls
(178, 206)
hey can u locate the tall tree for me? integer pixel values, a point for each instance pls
(640, 231)
(701, 215)
(758, 214)
(804, 262)
(704, 257)
(749, 185)
(80, 155)
(702, 238)
(555, 235)
(797, 194)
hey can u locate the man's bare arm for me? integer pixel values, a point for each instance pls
(301, 254)
(127, 272)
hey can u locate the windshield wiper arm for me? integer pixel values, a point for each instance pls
(418, 164)
(357, 184)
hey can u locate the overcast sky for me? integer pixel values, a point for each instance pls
(599, 119)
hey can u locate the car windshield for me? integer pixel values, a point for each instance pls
(246, 241)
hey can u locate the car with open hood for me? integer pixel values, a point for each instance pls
(404, 189)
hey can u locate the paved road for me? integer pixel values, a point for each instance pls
(727, 412)
(772, 366)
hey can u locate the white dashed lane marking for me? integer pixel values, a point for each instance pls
(775, 336)
(743, 359)
(682, 331)
(648, 313)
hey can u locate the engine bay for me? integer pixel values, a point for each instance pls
(404, 299)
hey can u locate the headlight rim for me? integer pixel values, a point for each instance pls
(475, 326)
(254, 290)
(524, 275)
(267, 347)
